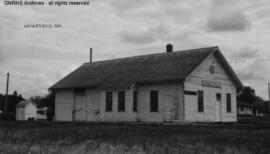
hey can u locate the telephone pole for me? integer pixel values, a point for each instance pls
(268, 98)
(6, 97)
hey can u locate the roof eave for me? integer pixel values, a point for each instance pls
(229, 70)
(71, 88)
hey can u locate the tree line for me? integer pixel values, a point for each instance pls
(248, 95)
(15, 98)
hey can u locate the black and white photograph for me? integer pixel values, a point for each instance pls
(134, 76)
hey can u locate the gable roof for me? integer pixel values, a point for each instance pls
(122, 73)
(22, 104)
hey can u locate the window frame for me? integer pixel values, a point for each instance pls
(154, 100)
(121, 101)
(218, 96)
(200, 101)
(109, 101)
(135, 101)
(228, 102)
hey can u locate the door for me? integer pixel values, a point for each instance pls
(79, 107)
(168, 114)
(218, 107)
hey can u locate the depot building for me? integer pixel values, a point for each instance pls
(196, 85)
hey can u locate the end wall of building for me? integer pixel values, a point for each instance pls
(211, 106)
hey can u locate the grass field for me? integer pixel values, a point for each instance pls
(54, 138)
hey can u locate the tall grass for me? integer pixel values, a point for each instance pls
(54, 138)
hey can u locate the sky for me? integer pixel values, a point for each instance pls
(36, 58)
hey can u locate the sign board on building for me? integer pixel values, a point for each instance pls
(214, 84)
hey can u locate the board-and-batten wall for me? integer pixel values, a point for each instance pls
(170, 105)
(194, 83)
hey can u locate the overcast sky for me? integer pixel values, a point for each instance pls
(37, 58)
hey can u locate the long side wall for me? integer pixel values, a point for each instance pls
(170, 103)
(170, 100)
(115, 115)
(170, 107)
(194, 83)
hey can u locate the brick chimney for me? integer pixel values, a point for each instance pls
(91, 53)
(169, 48)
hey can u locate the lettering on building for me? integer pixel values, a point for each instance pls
(213, 84)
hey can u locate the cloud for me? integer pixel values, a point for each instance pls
(65, 71)
(246, 53)
(222, 3)
(232, 21)
(145, 37)
(136, 38)
(1, 58)
(251, 65)
(248, 76)
(124, 5)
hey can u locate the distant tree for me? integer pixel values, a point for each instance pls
(15, 93)
(20, 97)
(13, 100)
(37, 100)
(46, 101)
(263, 107)
(247, 95)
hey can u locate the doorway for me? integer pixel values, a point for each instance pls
(218, 107)
(79, 112)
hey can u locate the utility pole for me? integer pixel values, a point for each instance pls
(6, 97)
(269, 98)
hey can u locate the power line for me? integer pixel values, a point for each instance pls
(249, 60)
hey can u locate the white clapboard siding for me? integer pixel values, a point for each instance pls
(194, 83)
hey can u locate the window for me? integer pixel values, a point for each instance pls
(121, 101)
(135, 101)
(218, 96)
(154, 101)
(109, 99)
(190, 92)
(212, 69)
(229, 103)
(79, 91)
(200, 101)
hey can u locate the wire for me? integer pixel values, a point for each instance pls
(249, 60)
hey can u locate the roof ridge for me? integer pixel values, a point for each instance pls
(151, 54)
